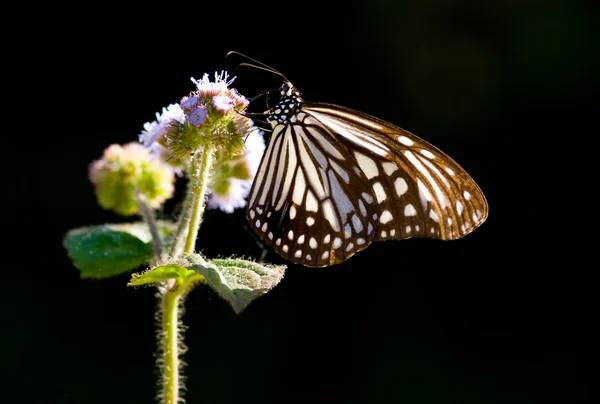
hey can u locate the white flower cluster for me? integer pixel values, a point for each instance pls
(239, 189)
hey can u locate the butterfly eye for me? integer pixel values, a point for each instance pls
(333, 180)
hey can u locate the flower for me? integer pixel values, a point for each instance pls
(197, 116)
(208, 117)
(154, 130)
(223, 103)
(126, 173)
(223, 97)
(232, 178)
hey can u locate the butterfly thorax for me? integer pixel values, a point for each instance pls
(288, 106)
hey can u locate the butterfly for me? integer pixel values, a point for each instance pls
(333, 180)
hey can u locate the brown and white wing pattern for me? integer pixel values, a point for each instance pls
(310, 200)
(333, 180)
(421, 191)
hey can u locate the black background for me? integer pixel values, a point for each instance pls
(501, 316)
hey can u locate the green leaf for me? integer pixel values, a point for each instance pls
(141, 230)
(237, 281)
(106, 250)
(163, 273)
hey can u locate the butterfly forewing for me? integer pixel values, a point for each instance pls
(332, 180)
(421, 191)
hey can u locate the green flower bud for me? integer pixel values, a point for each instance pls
(126, 173)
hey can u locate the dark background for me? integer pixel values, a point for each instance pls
(501, 316)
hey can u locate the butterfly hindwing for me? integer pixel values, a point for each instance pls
(310, 200)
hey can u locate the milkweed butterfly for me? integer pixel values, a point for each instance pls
(333, 180)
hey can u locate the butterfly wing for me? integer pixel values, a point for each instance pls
(310, 201)
(332, 180)
(420, 191)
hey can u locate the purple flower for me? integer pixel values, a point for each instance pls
(189, 102)
(197, 116)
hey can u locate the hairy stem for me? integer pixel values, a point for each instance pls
(200, 178)
(183, 224)
(170, 306)
(157, 243)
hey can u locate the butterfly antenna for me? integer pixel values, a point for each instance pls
(258, 65)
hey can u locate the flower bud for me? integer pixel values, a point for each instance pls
(126, 173)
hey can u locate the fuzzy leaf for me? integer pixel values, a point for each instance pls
(104, 251)
(161, 274)
(237, 281)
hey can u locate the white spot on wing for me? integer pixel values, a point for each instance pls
(299, 188)
(386, 216)
(400, 185)
(311, 203)
(427, 154)
(292, 212)
(433, 215)
(379, 192)
(330, 215)
(310, 221)
(459, 207)
(337, 242)
(405, 141)
(367, 165)
(312, 243)
(301, 239)
(389, 167)
(410, 210)
(291, 234)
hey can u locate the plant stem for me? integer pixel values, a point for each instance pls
(170, 306)
(183, 224)
(200, 179)
(157, 244)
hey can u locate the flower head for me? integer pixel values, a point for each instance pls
(209, 114)
(126, 173)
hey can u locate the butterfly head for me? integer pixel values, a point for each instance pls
(286, 109)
